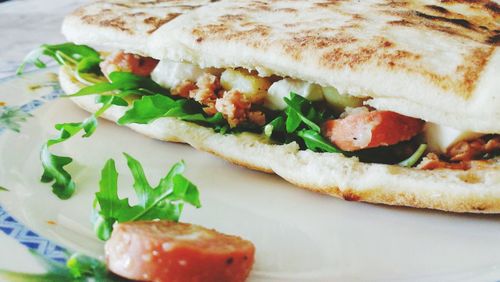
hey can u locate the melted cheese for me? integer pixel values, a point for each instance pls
(169, 73)
(282, 88)
(439, 138)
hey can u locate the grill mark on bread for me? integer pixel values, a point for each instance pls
(328, 3)
(495, 38)
(453, 24)
(459, 22)
(493, 7)
(381, 52)
(259, 6)
(438, 9)
(156, 23)
(287, 10)
(472, 71)
(115, 22)
(489, 6)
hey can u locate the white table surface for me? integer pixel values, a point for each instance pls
(26, 24)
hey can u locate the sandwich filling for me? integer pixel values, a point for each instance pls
(316, 117)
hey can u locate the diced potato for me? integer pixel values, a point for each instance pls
(439, 138)
(339, 102)
(282, 88)
(252, 86)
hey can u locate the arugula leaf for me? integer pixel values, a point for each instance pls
(276, 125)
(81, 56)
(293, 120)
(79, 268)
(300, 110)
(89, 65)
(121, 84)
(190, 110)
(413, 159)
(165, 201)
(89, 78)
(53, 171)
(85, 61)
(98, 88)
(54, 166)
(124, 81)
(299, 123)
(317, 143)
(150, 108)
(147, 109)
(116, 100)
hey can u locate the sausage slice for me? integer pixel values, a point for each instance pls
(371, 129)
(121, 61)
(172, 251)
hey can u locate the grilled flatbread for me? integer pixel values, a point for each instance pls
(436, 61)
(375, 49)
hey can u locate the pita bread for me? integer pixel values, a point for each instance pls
(475, 190)
(123, 24)
(434, 60)
(365, 48)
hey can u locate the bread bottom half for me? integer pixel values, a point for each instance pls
(473, 191)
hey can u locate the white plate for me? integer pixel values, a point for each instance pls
(299, 235)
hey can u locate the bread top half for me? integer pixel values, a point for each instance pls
(434, 60)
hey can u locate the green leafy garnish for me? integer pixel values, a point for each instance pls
(79, 268)
(82, 266)
(123, 81)
(80, 57)
(413, 159)
(165, 201)
(117, 100)
(277, 124)
(300, 123)
(317, 143)
(3, 189)
(300, 110)
(150, 108)
(110, 93)
(54, 166)
(53, 171)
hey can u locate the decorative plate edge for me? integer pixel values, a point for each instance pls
(8, 224)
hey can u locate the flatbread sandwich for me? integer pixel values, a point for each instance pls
(392, 102)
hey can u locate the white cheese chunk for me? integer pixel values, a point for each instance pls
(439, 138)
(282, 88)
(170, 74)
(339, 102)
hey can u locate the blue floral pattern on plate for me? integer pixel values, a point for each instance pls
(12, 228)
